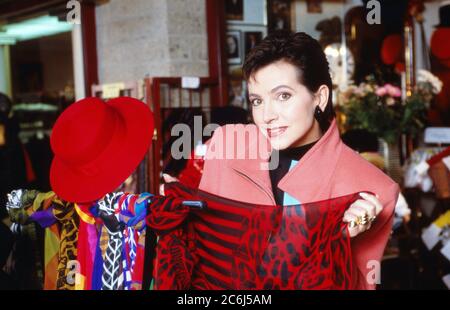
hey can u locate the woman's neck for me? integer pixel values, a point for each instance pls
(297, 152)
(313, 135)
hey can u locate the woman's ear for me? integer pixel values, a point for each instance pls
(322, 96)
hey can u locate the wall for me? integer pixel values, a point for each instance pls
(136, 38)
(431, 18)
(306, 22)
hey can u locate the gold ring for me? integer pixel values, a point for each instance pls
(361, 220)
(352, 224)
(364, 220)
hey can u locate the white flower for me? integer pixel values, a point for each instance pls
(424, 76)
(390, 101)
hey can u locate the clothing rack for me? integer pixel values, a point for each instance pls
(174, 92)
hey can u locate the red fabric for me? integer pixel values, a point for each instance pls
(235, 245)
(31, 176)
(84, 256)
(137, 275)
(97, 146)
(85, 246)
(192, 173)
(440, 45)
(438, 157)
(392, 49)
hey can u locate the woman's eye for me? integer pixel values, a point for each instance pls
(255, 102)
(284, 96)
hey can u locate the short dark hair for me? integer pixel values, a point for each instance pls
(300, 50)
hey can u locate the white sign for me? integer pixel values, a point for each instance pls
(112, 90)
(437, 135)
(430, 236)
(446, 250)
(190, 82)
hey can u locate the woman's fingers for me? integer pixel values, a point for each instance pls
(363, 207)
(373, 199)
(362, 213)
(349, 217)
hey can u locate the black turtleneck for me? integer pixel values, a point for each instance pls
(286, 158)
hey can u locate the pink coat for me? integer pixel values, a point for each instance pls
(330, 169)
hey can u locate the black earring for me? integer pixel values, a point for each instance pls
(318, 114)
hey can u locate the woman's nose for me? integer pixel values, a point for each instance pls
(270, 113)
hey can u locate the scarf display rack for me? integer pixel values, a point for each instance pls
(204, 241)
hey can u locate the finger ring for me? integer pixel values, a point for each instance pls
(361, 220)
(364, 220)
(352, 224)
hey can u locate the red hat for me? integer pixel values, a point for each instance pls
(440, 45)
(97, 145)
(392, 49)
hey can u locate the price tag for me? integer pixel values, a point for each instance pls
(190, 82)
(112, 90)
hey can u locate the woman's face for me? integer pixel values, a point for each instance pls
(282, 107)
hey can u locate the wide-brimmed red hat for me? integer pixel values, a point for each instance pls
(97, 145)
(440, 45)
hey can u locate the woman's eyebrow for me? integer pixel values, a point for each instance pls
(274, 90)
(253, 95)
(280, 86)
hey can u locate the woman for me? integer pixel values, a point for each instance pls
(289, 88)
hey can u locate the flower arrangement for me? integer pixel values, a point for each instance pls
(381, 109)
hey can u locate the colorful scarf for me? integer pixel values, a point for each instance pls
(132, 214)
(69, 220)
(86, 247)
(46, 209)
(235, 245)
(112, 277)
(20, 208)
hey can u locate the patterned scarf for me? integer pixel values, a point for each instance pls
(25, 208)
(234, 245)
(132, 213)
(112, 277)
(65, 213)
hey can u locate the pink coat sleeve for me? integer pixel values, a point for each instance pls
(368, 248)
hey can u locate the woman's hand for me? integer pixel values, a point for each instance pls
(167, 179)
(362, 213)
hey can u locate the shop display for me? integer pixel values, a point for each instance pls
(197, 231)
